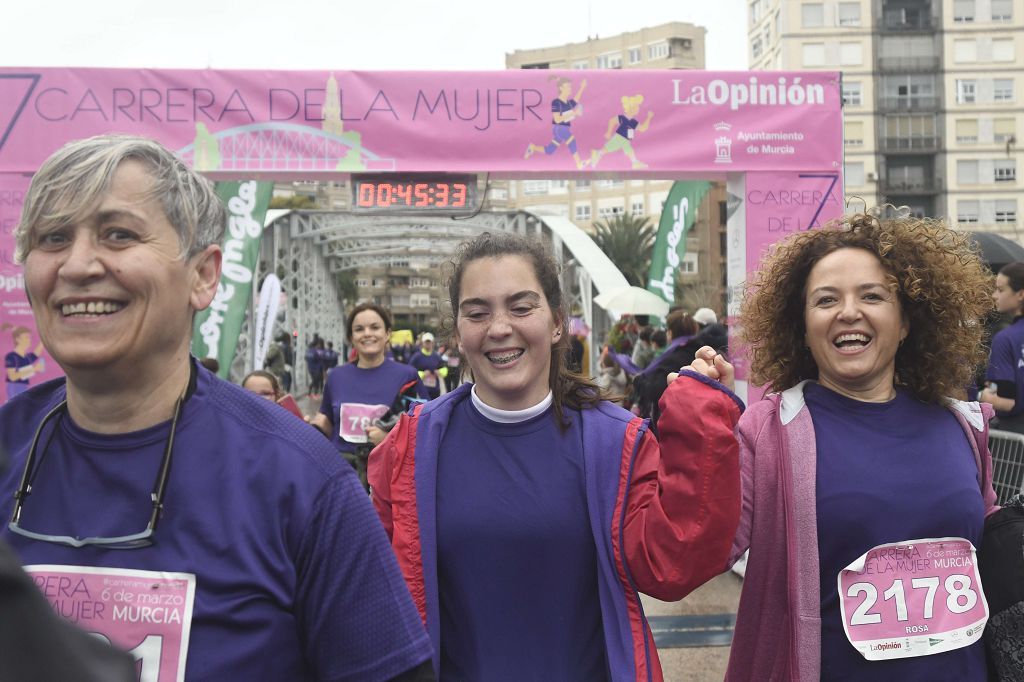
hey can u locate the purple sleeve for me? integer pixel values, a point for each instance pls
(1001, 364)
(327, 404)
(11, 360)
(355, 614)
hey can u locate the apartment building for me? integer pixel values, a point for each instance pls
(932, 108)
(675, 45)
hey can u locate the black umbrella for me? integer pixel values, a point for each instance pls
(997, 250)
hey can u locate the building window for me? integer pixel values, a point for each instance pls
(853, 172)
(853, 133)
(582, 184)
(638, 208)
(1002, 90)
(535, 187)
(612, 60)
(1006, 210)
(812, 15)
(756, 48)
(966, 91)
(606, 212)
(967, 131)
(967, 172)
(814, 54)
(1003, 129)
(1005, 170)
(851, 93)
(851, 54)
(636, 55)
(1002, 50)
(688, 264)
(849, 14)
(580, 65)
(757, 8)
(967, 211)
(963, 11)
(582, 211)
(965, 51)
(1002, 10)
(657, 50)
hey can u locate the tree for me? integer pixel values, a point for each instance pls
(628, 241)
(298, 201)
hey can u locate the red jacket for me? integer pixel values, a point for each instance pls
(662, 525)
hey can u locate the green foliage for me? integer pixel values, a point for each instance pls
(297, 201)
(628, 241)
(346, 280)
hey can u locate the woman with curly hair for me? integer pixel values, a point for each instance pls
(860, 458)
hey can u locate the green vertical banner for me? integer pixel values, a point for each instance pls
(677, 219)
(216, 329)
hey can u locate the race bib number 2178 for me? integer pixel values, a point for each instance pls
(147, 613)
(913, 598)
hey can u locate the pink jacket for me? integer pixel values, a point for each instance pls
(778, 627)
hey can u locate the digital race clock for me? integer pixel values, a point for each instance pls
(415, 193)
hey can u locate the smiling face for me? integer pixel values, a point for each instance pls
(1005, 298)
(369, 336)
(110, 291)
(854, 324)
(505, 328)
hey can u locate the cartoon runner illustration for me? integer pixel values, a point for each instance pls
(563, 111)
(626, 127)
(21, 364)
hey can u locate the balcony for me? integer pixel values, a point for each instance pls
(910, 144)
(912, 103)
(911, 186)
(908, 24)
(908, 64)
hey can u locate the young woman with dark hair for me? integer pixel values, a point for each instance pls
(526, 511)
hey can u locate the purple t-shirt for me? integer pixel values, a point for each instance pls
(294, 576)
(517, 565)
(14, 361)
(349, 385)
(560, 106)
(626, 127)
(889, 472)
(1006, 362)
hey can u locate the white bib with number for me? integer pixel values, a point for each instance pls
(913, 598)
(147, 613)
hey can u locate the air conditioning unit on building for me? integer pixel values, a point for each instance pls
(871, 177)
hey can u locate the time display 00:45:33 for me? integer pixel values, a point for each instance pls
(412, 195)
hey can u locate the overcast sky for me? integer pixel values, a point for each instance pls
(339, 34)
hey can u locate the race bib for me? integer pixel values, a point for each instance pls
(429, 379)
(913, 598)
(147, 613)
(630, 133)
(355, 418)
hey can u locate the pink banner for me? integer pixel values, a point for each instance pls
(777, 204)
(26, 362)
(515, 122)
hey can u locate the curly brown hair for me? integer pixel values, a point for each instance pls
(944, 291)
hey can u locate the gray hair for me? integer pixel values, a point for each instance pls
(72, 183)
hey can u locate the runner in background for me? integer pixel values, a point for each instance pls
(865, 327)
(1004, 388)
(171, 512)
(432, 368)
(359, 396)
(525, 511)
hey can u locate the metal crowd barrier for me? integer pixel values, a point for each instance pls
(1007, 463)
